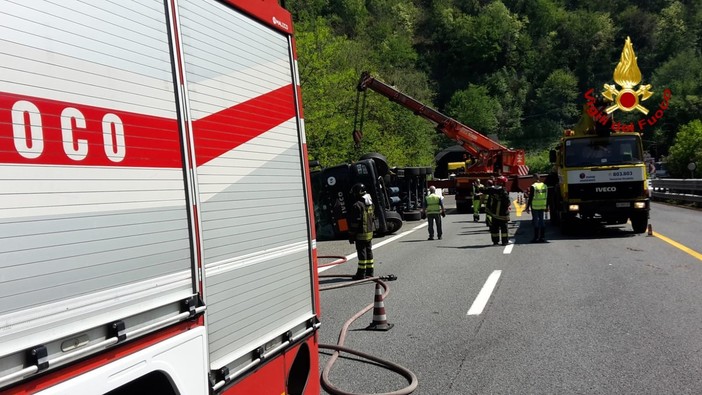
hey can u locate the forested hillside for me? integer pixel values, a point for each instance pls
(517, 69)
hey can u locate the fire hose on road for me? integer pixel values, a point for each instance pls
(339, 347)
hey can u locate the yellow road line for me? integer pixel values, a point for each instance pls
(678, 245)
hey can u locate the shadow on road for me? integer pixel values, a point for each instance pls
(581, 230)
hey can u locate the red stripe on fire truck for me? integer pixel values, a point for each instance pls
(49, 132)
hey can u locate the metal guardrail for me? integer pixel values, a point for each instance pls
(689, 190)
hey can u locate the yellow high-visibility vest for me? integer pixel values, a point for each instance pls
(540, 193)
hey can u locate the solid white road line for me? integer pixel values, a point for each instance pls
(484, 294)
(382, 243)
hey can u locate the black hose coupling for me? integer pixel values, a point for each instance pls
(389, 277)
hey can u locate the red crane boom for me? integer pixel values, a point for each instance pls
(490, 156)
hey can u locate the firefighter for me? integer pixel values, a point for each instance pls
(477, 198)
(490, 183)
(361, 227)
(537, 204)
(497, 208)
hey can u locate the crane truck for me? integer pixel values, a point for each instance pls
(489, 157)
(156, 234)
(601, 173)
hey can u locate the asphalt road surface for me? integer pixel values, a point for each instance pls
(603, 311)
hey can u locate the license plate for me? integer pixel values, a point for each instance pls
(625, 204)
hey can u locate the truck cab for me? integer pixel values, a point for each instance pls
(602, 178)
(332, 198)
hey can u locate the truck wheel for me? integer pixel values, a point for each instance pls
(381, 162)
(639, 222)
(554, 215)
(412, 171)
(412, 215)
(567, 223)
(393, 222)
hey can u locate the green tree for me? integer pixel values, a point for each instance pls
(350, 17)
(527, 58)
(538, 161)
(682, 74)
(687, 148)
(466, 48)
(671, 34)
(327, 76)
(475, 108)
(586, 46)
(556, 107)
(510, 90)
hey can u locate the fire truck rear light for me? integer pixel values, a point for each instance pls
(639, 204)
(574, 207)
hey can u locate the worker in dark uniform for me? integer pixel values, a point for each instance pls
(361, 227)
(489, 184)
(497, 208)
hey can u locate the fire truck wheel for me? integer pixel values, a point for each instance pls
(639, 222)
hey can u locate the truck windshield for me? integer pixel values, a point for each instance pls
(599, 151)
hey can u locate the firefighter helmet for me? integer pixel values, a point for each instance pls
(358, 190)
(501, 180)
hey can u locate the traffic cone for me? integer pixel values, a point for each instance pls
(380, 320)
(650, 230)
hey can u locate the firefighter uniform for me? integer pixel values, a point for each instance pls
(497, 209)
(361, 228)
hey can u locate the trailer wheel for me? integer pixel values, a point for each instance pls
(393, 222)
(381, 162)
(639, 222)
(412, 215)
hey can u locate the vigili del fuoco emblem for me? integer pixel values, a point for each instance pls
(627, 75)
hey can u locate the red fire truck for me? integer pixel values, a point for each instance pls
(489, 157)
(156, 227)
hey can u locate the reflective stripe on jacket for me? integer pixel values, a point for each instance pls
(540, 193)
